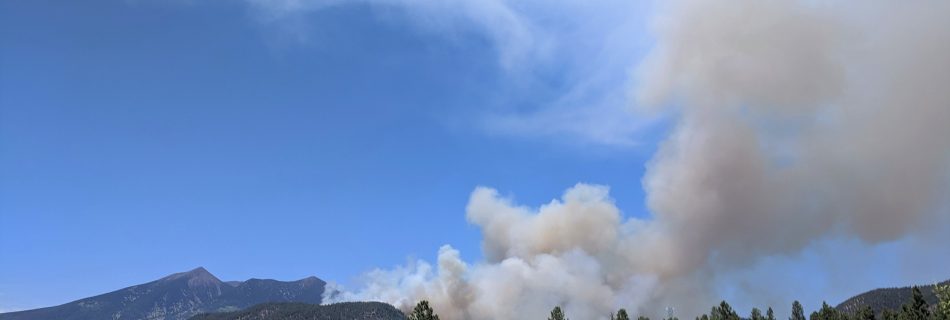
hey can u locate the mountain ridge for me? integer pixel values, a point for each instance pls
(887, 298)
(179, 296)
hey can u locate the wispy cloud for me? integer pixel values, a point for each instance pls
(593, 47)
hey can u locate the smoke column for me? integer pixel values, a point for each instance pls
(796, 121)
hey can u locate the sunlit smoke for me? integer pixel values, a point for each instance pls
(797, 121)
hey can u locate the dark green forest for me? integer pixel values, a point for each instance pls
(916, 307)
(306, 311)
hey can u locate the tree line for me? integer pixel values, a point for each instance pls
(915, 309)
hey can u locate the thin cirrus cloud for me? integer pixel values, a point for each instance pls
(593, 47)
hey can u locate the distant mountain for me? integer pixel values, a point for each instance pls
(179, 296)
(288, 311)
(887, 298)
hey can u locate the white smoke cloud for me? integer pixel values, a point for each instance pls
(798, 122)
(564, 253)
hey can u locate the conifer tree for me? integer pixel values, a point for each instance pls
(828, 313)
(942, 312)
(723, 312)
(798, 313)
(865, 313)
(622, 314)
(769, 315)
(889, 314)
(916, 308)
(756, 314)
(422, 311)
(557, 314)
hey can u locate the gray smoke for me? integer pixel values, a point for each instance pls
(798, 121)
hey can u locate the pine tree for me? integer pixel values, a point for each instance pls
(622, 314)
(557, 314)
(756, 314)
(828, 313)
(422, 311)
(916, 308)
(942, 312)
(798, 313)
(643, 318)
(723, 312)
(865, 313)
(889, 314)
(769, 315)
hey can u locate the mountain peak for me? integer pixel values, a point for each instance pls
(196, 277)
(177, 297)
(311, 280)
(199, 271)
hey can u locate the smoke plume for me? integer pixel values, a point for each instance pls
(797, 121)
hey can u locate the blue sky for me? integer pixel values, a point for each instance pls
(141, 139)
(283, 139)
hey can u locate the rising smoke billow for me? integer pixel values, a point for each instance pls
(797, 121)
